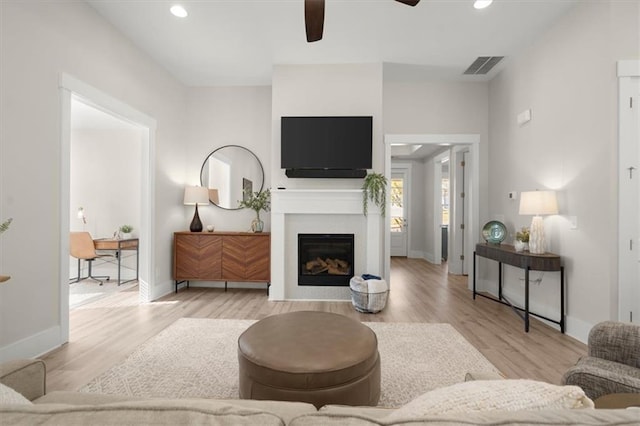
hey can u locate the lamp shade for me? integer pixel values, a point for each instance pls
(194, 195)
(538, 203)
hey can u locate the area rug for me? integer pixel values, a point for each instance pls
(197, 358)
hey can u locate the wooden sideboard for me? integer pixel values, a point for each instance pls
(221, 256)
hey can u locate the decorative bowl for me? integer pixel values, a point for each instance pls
(494, 232)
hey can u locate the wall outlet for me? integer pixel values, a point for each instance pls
(573, 222)
(513, 195)
(524, 117)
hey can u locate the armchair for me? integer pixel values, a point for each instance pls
(613, 361)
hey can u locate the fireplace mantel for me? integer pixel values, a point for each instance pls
(317, 201)
(329, 202)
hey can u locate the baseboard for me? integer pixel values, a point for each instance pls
(169, 287)
(416, 254)
(419, 254)
(578, 329)
(163, 289)
(311, 300)
(33, 346)
(230, 284)
(574, 327)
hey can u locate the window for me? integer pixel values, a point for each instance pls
(397, 208)
(445, 201)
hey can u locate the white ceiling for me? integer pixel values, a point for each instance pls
(237, 42)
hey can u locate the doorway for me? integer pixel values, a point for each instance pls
(71, 88)
(105, 186)
(458, 143)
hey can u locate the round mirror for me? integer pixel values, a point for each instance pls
(229, 172)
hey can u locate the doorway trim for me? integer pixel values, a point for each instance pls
(437, 203)
(72, 87)
(470, 139)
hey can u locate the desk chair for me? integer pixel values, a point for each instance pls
(81, 247)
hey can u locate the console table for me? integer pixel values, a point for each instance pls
(506, 254)
(221, 256)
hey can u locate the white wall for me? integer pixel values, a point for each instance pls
(354, 89)
(38, 42)
(218, 116)
(105, 180)
(441, 107)
(568, 79)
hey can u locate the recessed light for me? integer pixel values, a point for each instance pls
(481, 4)
(178, 11)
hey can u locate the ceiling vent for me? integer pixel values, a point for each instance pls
(483, 64)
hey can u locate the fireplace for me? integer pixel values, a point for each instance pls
(325, 259)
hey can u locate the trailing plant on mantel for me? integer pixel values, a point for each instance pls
(374, 189)
(5, 225)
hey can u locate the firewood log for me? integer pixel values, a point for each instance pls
(311, 264)
(332, 263)
(336, 271)
(318, 269)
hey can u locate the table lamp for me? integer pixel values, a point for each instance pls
(538, 203)
(194, 195)
(81, 215)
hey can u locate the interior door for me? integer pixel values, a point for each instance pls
(399, 213)
(460, 240)
(629, 201)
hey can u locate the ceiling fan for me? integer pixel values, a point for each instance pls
(314, 17)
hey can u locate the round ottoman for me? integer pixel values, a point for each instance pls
(315, 357)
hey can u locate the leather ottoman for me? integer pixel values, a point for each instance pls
(315, 357)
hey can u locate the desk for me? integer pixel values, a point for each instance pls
(118, 246)
(505, 253)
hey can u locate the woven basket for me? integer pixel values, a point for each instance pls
(369, 303)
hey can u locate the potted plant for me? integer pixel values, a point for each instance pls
(3, 227)
(125, 231)
(374, 189)
(522, 239)
(257, 201)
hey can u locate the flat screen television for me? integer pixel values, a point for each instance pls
(326, 146)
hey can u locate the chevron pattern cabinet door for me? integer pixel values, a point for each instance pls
(234, 258)
(258, 259)
(197, 257)
(210, 267)
(246, 258)
(185, 257)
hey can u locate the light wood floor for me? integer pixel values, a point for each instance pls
(103, 333)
